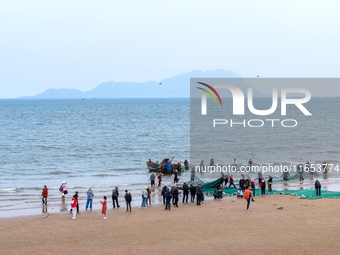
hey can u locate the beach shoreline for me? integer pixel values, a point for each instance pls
(219, 227)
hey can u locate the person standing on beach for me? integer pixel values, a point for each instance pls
(128, 199)
(144, 196)
(199, 194)
(300, 169)
(270, 182)
(318, 188)
(192, 193)
(90, 196)
(77, 207)
(148, 198)
(115, 195)
(104, 207)
(231, 181)
(226, 179)
(160, 177)
(250, 162)
(163, 193)
(74, 206)
(219, 191)
(263, 187)
(168, 196)
(44, 195)
(235, 162)
(175, 195)
(77, 201)
(260, 176)
(252, 185)
(241, 183)
(185, 192)
(152, 179)
(63, 189)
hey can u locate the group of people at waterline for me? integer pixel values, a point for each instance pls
(171, 194)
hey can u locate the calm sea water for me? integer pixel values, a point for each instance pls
(103, 143)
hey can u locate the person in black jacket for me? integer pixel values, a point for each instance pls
(199, 194)
(168, 197)
(185, 192)
(270, 182)
(318, 188)
(128, 199)
(175, 194)
(192, 193)
(241, 183)
(115, 195)
(164, 190)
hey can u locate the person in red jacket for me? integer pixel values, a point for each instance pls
(247, 196)
(74, 206)
(104, 207)
(231, 181)
(160, 177)
(44, 195)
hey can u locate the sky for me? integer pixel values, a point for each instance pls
(80, 44)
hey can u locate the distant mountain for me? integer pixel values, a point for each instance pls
(177, 86)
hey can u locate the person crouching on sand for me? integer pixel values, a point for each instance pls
(239, 193)
(104, 207)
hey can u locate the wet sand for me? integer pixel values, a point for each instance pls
(215, 227)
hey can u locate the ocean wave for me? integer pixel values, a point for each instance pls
(124, 169)
(59, 172)
(8, 190)
(104, 175)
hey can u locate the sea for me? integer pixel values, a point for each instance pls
(105, 143)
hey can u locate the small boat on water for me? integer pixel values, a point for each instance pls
(163, 167)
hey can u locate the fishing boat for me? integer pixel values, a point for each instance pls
(156, 167)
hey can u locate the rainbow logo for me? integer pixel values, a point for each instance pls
(209, 93)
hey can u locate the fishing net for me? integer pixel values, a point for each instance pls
(210, 187)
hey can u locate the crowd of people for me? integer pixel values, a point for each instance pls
(170, 195)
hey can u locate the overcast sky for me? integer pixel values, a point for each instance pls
(80, 44)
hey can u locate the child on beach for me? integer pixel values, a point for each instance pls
(104, 207)
(239, 193)
(74, 206)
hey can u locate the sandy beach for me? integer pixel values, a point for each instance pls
(215, 227)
